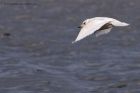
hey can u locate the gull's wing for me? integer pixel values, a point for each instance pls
(118, 23)
(102, 32)
(90, 28)
(113, 21)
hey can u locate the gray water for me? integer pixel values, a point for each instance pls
(38, 56)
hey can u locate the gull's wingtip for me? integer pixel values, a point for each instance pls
(73, 42)
(126, 24)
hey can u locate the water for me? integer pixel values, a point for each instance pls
(38, 56)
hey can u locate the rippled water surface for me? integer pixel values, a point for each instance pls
(38, 57)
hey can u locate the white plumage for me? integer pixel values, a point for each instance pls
(97, 25)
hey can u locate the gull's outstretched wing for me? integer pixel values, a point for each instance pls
(90, 28)
(118, 23)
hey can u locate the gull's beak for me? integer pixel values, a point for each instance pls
(79, 27)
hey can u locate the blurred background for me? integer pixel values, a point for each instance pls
(37, 56)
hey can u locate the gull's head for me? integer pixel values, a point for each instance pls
(84, 23)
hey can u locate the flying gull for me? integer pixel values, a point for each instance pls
(97, 26)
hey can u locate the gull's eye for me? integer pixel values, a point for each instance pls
(84, 23)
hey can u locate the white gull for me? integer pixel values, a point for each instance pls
(98, 26)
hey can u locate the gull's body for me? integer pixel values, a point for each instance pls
(98, 26)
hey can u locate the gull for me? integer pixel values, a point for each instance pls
(97, 26)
